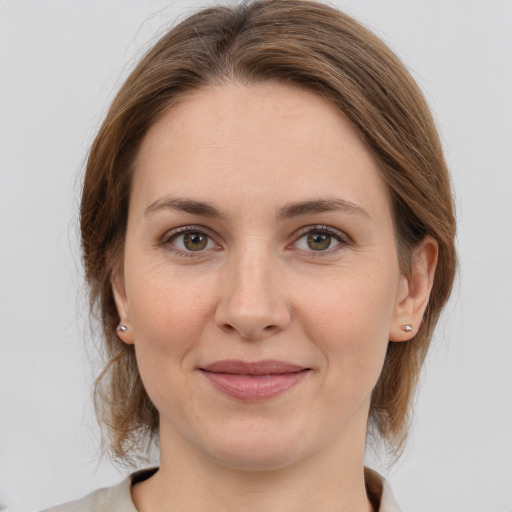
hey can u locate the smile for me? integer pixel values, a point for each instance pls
(255, 381)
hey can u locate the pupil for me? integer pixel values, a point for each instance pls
(194, 241)
(318, 241)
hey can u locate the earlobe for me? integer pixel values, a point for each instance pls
(415, 292)
(124, 330)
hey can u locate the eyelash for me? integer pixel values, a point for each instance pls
(342, 239)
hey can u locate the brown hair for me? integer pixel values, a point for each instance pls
(323, 50)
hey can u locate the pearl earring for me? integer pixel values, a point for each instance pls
(407, 327)
(122, 328)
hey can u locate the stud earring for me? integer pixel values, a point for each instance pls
(122, 328)
(407, 327)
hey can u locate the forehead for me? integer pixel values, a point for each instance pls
(241, 141)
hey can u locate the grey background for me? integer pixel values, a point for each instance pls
(61, 61)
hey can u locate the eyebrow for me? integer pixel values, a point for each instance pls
(288, 211)
(184, 205)
(321, 206)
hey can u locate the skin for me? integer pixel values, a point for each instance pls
(257, 290)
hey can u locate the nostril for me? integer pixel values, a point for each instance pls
(250, 332)
(228, 328)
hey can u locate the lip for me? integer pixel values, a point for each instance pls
(254, 381)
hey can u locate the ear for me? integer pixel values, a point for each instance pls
(414, 291)
(119, 292)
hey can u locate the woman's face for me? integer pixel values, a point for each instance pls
(261, 282)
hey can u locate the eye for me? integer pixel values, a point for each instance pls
(189, 240)
(321, 239)
(194, 241)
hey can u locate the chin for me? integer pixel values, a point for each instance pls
(255, 459)
(257, 449)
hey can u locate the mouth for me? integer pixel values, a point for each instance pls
(254, 381)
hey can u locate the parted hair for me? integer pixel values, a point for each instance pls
(319, 48)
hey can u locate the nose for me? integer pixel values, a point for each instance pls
(253, 301)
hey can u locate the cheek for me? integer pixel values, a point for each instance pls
(168, 312)
(349, 321)
(169, 315)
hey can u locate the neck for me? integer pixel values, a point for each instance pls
(333, 482)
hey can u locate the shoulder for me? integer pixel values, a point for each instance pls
(86, 504)
(109, 499)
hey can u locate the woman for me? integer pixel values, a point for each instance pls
(268, 234)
